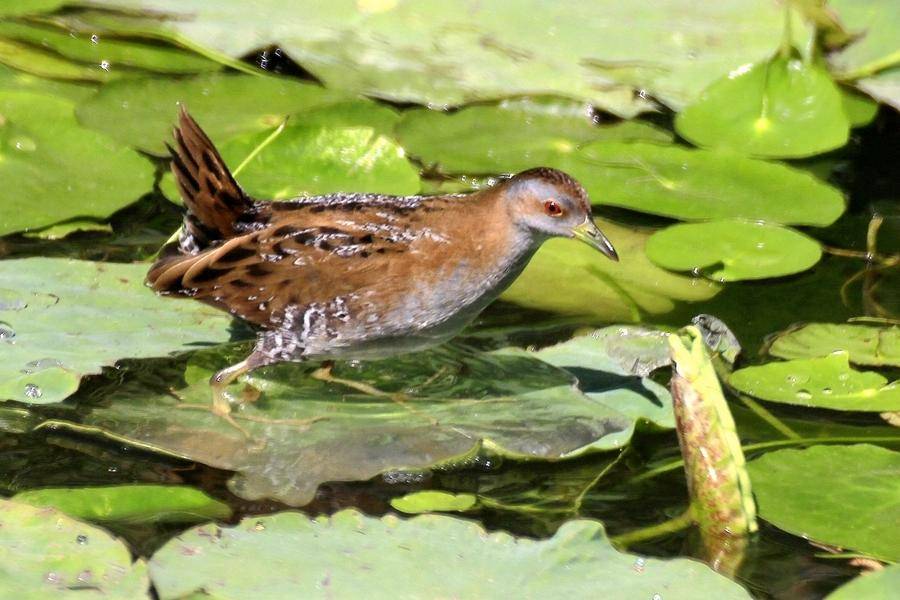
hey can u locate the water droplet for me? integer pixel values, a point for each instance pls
(843, 377)
(6, 333)
(95, 39)
(33, 391)
(52, 578)
(81, 539)
(112, 469)
(85, 577)
(24, 144)
(657, 596)
(827, 391)
(638, 566)
(104, 64)
(803, 395)
(259, 526)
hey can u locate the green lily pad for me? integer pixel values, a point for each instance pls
(353, 552)
(857, 510)
(27, 7)
(568, 277)
(55, 170)
(46, 554)
(17, 81)
(119, 53)
(33, 60)
(458, 402)
(702, 184)
(866, 344)
(733, 250)
(129, 503)
(63, 319)
(616, 361)
(859, 108)
(435, 54)
(826, 382)
(783, 108)
(434, 501)
(511, 136)
(876, 585)
(142, 112)
(309, 158)
(877, 25)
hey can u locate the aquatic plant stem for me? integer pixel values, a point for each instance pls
(679, 523)
(260, 147)
(760, 411)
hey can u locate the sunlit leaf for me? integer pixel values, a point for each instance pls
(353, 552)
(142, 112)
(568, 277)
(434, 501)
(702, 184)
(129, 503)
(55, 170)
(64, 319)
(47, 554)
(511, 136)
(844, 496)
(733, 250)
(866, 344)
(859, 108)
(783, 108)
(826, 382)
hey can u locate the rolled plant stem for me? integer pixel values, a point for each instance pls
(674, 525)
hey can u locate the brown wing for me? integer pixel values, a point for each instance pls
(257, 275)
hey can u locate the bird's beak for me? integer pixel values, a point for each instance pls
(591, 235)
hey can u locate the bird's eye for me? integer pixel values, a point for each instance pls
(552, 208)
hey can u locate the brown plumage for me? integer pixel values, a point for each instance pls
(354, 275)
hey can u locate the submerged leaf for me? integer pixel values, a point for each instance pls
(66, 318)
(47, 554)
(844, 496)
(438, 556)
(733, 250)
(129, 503)
(865, 344)
(826, 382)
(783, 108)
(434, 501)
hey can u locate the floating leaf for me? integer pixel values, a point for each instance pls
(54, 170)
(129, 503)
(456, 402)
(883, 86)
(39, 62)
(866, 344)
(511, 136)
(702, 184)
(16, 81)
(67, 318)
(843, 496)
(783, 108)
(433, 501)
(826, 382)
(142, 112)
(353, 552)
(859, 108)
(875, 585)
(433, 53)
(567, 277)
(733, 250)
(117, 52)
(47, 554)
(25, 7)
(877, 25)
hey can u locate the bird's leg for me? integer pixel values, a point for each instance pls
(221, 406)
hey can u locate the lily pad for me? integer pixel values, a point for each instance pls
(826, 382)
(321, 152)
(33, 60)
(46, 554)
(616, 361)
(733, 250)
(17, 81)
(696, 185)
(54, 170)
(877, 25)
(129, 503)
(883, 86)
(877, 585)
(570, 278)
(856, 510)
(142, 112)
(117, 52)
(511, 136)
(353, 552)
(64, 319)
(457, 402)
(782, 108)
(433, 501)
(866, 344)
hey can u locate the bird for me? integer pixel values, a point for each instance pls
(353, 276)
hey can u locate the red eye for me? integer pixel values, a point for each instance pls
(552, 208)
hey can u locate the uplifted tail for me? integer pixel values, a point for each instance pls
(213, 200)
